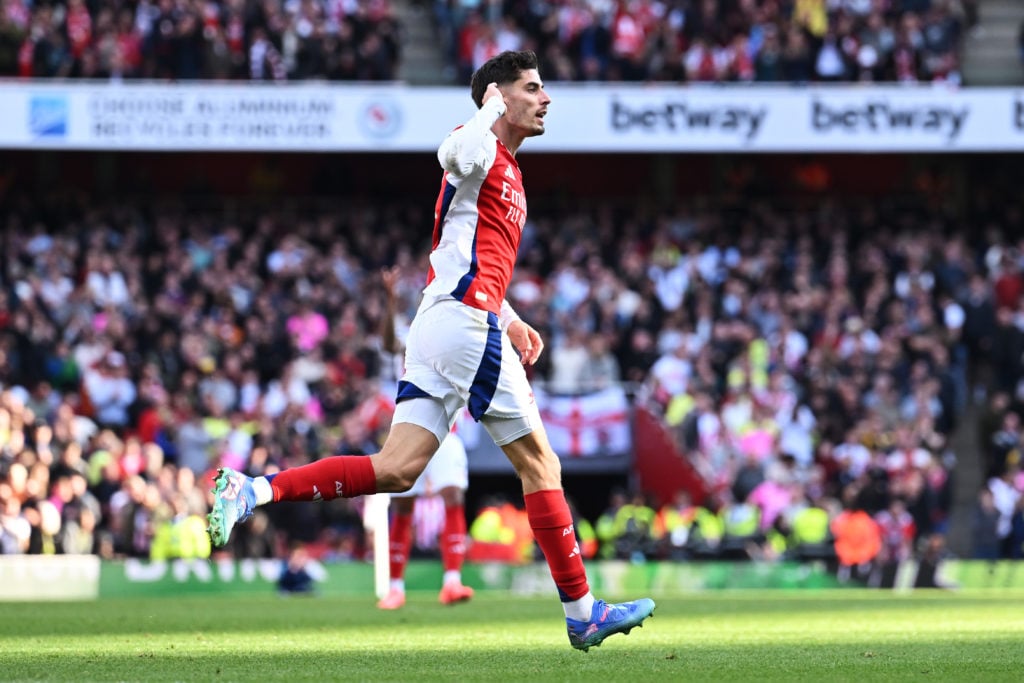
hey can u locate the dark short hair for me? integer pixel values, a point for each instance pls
(501, 69)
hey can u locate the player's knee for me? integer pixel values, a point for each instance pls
(398, 480)
(403, 483)
(540, 470)
(394, 482)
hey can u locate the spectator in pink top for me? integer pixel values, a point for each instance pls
(307, 328)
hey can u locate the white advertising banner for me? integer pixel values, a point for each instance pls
(237, 117)
(49, 577)
(599, 118)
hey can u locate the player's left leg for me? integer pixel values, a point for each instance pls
(511, 417)
(588, 620)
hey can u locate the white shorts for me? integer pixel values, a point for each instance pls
(457, 356)
(448, 467)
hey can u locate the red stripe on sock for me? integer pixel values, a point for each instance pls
(400, 544)
(340, 476)
(453, 538)
(551, 522)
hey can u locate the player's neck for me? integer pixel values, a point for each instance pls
(509, 137)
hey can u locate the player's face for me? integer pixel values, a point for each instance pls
(526, 103)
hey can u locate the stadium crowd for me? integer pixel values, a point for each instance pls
(812, 360)
(579, 40)
(711, 41)
(177, 40)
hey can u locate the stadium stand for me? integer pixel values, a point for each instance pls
(810, 356)
(718, 40)
(332, 40)
(640, 40)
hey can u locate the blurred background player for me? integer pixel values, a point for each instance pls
(447, 475)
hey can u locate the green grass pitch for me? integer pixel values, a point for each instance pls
(727, 636)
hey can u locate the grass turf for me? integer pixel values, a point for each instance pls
(740, 636)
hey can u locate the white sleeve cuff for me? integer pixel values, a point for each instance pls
(507, 315)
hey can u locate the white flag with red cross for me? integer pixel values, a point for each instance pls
(588, 425)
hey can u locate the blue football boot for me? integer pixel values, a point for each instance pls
(233, 502)
(606, 619)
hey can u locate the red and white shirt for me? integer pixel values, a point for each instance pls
(478, 218)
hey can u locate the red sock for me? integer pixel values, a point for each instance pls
(453, 538)
(339, 476)
(552, 526)
(400, 543)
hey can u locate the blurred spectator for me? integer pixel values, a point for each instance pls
(1006, 497)
(299, 572)
(627, 529)
(985, 527)
(569, 359)
(932, 554)
(673, 524)
(858, 541)
(110, 391)
(807, 526)
(601, 369)
(15, 529)
(500, 533)
(742, 536)
(182, 535)
(898, 533)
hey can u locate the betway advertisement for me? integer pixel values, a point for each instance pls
(601, 118)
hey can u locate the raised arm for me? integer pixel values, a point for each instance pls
(464, 149)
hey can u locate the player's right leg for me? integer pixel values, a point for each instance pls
(393, 470)
(233, 501)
